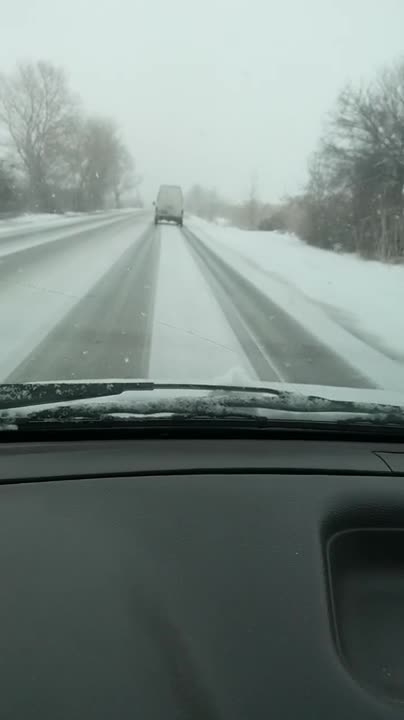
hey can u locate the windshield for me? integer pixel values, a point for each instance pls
(203, 194)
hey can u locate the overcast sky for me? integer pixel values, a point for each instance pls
(210, 91)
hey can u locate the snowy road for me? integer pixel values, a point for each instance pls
(118, 298)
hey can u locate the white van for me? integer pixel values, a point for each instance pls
(169, 204)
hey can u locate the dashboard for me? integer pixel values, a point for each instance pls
(201, 578)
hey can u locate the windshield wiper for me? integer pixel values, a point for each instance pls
(14, 395)
(102, 403)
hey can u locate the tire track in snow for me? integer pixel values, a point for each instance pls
(192, 339)
(270, 337)
(38, 289)
(17, 258)
(108, 333)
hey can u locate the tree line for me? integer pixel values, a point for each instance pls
(53, 156)
(354, 198)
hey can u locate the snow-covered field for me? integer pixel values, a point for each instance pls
(364, 297)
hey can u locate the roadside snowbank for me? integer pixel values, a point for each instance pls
(28, 221)
(351, 305)
(37, 234)
(366, 297)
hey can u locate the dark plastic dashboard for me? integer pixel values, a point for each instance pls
(202, 579)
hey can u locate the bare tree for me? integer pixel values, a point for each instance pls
(10, 190)
(354, 199)
(100, 163)
(123, 175)
(38, 111)
(252, 205)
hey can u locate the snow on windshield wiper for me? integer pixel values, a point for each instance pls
(28, 394)
(101, 402)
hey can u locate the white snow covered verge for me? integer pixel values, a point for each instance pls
(35, 220)
(364, 297)
(32, 221)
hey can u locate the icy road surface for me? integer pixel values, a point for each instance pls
(115, 297)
